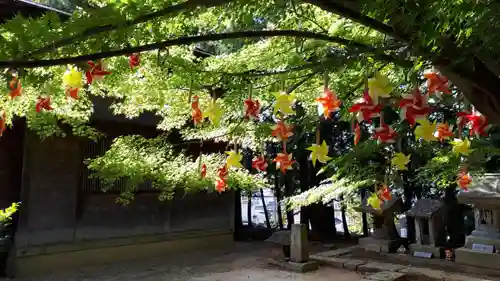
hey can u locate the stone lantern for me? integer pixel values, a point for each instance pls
(480, 247)
(428, 217)
(385, 237)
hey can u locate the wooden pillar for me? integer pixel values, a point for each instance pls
(418, 231)
(432, 234)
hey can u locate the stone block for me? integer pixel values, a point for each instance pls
(353, 264)
(378, 266)
(423, 272)
(436, 251)
(475, 258)
(378, 245)
(300, 267)
(460, 277)
(386, 276)
(481, 240)
(331, 261)
(338, 252)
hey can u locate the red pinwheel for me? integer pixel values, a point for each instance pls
(260, 164)
(437, 83)
(223, 172)
(366, 109)
(479, 123)
(203, 172)
(252, 109)
(134, 60)
(328, 102)
(385, 134)
(43, 103)
(15, 87)
(384, 193)
(95, 71)
(414, 106)
(196, 113)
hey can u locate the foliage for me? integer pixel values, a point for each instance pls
(6, 214)
(169, 75)
(139, 160)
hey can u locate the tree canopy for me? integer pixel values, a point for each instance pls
(141, 55)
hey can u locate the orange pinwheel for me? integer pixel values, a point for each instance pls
(357, 134)
(282, 131)
(15, 87)
(284, 161)
(43, 103)
(252, 109)
(444, 131)
(220, 185)
(196, 112)
(464, 180)
(3, 123)
(328, 102)
(437, 83)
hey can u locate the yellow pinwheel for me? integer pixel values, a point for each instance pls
(379, 86)
(400, 161)
(374, 201)
(234, 159)
(213, 112)
(461, 146)
(72, 78)
(425, 130)
(284, 103)
(319, 153)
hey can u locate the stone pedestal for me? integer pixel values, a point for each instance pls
(299, 247)
(299, 252)
(481, 246)
(385, 237)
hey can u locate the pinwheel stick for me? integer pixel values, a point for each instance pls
(318, 135)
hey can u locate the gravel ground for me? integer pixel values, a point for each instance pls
(242, 261)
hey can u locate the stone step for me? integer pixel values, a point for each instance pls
(382, 270)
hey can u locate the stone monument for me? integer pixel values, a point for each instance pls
(385, 238)
(481, 246)
(428, 217)
(299, 251)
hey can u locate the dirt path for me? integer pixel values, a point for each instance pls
(242, 261)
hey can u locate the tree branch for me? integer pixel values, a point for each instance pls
(171, 10)
(342, 10)
(199, 38)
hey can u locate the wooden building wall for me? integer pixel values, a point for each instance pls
(62, 209)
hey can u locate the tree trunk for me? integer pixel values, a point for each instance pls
(344, 217)
(290, 219)
(304, 186)
(277, 192)
(453, 219)
(238, 222)
(266, 214)
(364, 217)
(322, 223)
(249, 208)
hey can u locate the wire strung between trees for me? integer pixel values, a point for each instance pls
(187, 40)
